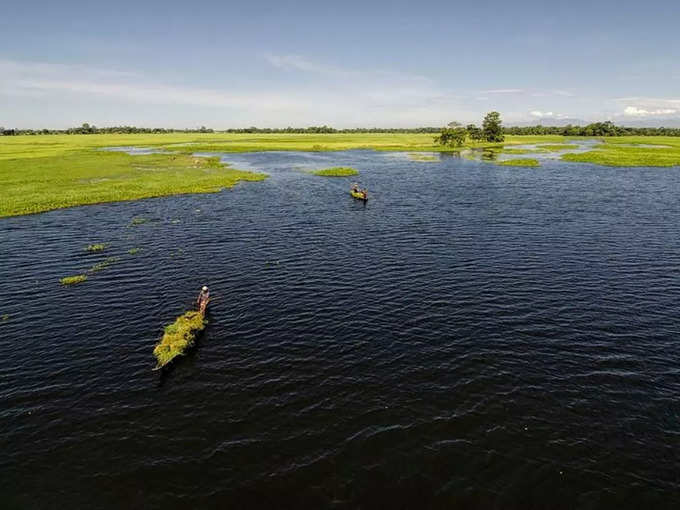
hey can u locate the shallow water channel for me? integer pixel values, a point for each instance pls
(474, 336)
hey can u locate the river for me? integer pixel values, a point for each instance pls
(474, 336)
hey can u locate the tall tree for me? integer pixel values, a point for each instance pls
(491, 127)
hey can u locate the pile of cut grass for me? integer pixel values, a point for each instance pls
(336, 171)
(97, 247)
(519, 162)
(179, 337)
(72, 280)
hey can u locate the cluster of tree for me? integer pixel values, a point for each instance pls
(455, 134)
(596, 129)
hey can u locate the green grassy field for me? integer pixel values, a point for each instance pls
(631, 151)
(78, 177)
(41, 173)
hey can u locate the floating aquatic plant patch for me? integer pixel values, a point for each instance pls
(133, 251)
(103, 264)
(178, 337)
(97, 247)
(415, 156)
(519, 162)
(336, 171)
(72, 280)
(5, 317)
(138, 221)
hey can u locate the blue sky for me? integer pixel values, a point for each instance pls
(346, 64)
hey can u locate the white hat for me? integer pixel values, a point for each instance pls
(205, 287)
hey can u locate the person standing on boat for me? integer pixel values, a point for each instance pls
(203, 298)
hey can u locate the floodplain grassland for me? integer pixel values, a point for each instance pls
(336, 171)
(45, 172)
(632, 151)
(31, 184)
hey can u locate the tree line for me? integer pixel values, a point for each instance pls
(88, 129)
(451, 134)
(595, 129)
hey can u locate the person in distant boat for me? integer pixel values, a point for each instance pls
(203, 298)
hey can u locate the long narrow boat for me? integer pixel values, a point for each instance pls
(359, 195)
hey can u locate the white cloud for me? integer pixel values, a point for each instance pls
(649, 106)
(634, 111)
(502, 91)
(296, 62)
(540, 114)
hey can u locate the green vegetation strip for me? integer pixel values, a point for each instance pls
(178, 337)
(519, 162)
(414, 156)
(558, 147)
(518, 151)
(73, 280)
(336, 171)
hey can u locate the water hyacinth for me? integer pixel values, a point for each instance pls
(72, 280)
(103, 264)
(96, 247)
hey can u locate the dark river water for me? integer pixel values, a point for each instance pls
(474, 336)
